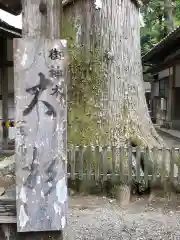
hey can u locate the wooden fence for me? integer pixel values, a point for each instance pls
(122, 164)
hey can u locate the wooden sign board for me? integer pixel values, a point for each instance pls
(41, 120)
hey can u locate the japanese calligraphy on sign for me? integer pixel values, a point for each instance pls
(55, 54)
(41, 106)
(56, 73)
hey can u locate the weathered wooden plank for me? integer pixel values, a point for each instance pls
(113, 150)
(105, 163)
(40, 91)
(178, 164)
(89, 162)
(97, 163)
(7, 153)
(146, 166)
(163, 166)
(76, 156)
(81, 162)
(129, 164)
(46, 235)
(121, 164)
(73, 163)
(138, 165)
(171, 174)
(154, 177)
(7, 219)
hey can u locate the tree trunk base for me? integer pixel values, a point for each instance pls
(123, 195)
(163, 190)
(155, 195)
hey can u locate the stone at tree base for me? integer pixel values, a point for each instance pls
(71, 192)
(123, 195)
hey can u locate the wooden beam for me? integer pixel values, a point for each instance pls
(7, 64)
(14, 9)
(162, 66)
(41, 123)
(10, 95)
(4, 87)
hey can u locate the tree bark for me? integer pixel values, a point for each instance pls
(41, 18)
(126, 106)
(168, 15)
(121, 115)
(124, 100)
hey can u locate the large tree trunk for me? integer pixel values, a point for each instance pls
(168, 15)
(108, 39)
(126, 106)
(106, 96)
(124, 100)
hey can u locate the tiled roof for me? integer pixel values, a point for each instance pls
(162, 43)
(5, 27)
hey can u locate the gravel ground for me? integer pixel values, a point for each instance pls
(170, 141)
(99, 218)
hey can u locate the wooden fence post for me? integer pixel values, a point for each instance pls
(41, 107)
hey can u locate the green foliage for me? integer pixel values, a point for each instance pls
(85, 80)
(177, 12)
(157, 17)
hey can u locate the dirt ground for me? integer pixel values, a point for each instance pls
(100, 218)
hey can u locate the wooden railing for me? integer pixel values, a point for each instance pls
(103, 163)
(123, 164)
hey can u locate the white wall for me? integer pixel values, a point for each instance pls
(10, 109)
(147, 86)
(177, 75)
(155, 89)
(165, 73)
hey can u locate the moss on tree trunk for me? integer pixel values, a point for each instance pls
(106, 96)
